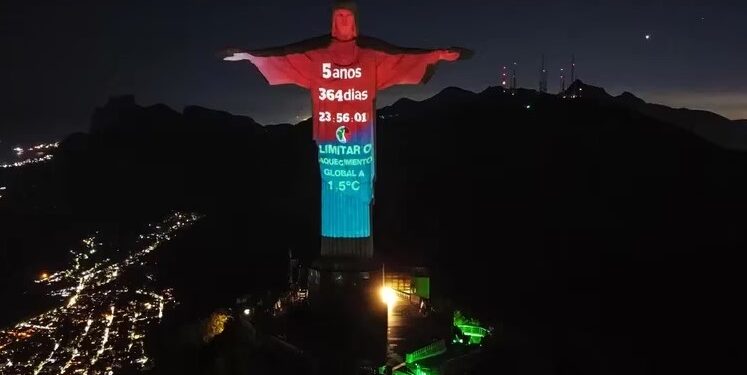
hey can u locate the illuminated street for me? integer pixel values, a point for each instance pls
(32, 155)
(106, 309)
(404, 321)
(396, 323)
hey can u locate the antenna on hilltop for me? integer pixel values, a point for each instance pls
(575, 92)
(543, 76)
(504, 78)
(562, 80)
(573, 68)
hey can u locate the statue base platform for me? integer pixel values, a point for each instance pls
(350, 318)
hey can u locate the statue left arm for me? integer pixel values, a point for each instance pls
(411, 68)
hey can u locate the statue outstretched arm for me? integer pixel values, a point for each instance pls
(292, 68)
(412, 66)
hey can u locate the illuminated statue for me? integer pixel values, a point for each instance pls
(344, 71)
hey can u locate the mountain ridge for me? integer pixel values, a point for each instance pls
(708, 125)
(730, 134)
(577, 220)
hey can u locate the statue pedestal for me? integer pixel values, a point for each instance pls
(358, 248)
(350, 318)
(336, 279)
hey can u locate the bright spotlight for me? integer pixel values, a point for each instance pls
(388, 296)
(247, 311)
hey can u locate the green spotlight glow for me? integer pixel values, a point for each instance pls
(469, 327)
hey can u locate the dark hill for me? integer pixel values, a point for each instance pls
(730, 134)
(603, 231)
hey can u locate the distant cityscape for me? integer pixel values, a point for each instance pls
(106, 308)
(32, 155)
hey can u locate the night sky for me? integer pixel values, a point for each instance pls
(60, 59)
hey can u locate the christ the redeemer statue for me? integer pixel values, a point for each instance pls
(344, 71)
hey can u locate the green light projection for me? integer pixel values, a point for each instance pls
(469, 327)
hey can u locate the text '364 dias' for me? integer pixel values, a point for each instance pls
(344, 71)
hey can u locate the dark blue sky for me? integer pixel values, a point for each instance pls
(62, 58)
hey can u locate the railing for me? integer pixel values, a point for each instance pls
(470, 330)
(432, 350)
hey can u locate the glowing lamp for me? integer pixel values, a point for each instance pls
(388, 296)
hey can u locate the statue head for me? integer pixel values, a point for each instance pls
(344, 20)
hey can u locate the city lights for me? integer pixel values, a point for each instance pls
(38, 154)
(101, 320)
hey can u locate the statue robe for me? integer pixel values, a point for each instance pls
(343, 78)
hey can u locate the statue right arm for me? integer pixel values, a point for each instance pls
(292, 68)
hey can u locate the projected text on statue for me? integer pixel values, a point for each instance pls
(343, 72)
